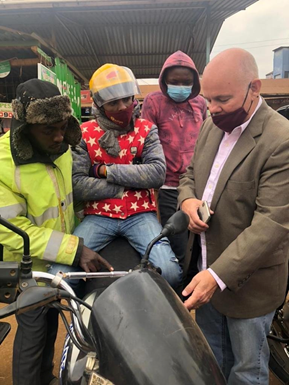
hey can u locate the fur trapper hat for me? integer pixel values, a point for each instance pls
(40, 102)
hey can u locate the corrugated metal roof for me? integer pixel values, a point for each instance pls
(140, 34)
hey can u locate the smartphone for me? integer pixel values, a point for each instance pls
(204, 212)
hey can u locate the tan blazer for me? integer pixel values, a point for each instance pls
(248, 236)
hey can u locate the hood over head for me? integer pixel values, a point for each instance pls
(180, 59)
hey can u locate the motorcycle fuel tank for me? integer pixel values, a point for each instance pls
(147, 337)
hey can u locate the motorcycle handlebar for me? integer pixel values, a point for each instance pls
(36, 296)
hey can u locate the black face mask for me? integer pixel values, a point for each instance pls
(230, 120)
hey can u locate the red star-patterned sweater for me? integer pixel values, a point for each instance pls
(133, 201)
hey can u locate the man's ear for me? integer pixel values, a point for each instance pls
(256, 86)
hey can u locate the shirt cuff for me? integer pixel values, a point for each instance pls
(220, 283)
(78, 252)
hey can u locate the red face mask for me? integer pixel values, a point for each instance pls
(227, 122)
(121, 118)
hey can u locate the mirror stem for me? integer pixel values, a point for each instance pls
(144, 260)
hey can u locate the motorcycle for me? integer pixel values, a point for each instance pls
(135, 331)
(278, 340)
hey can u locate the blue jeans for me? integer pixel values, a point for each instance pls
(239, 345)
(140, 229)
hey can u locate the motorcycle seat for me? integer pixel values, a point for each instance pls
(121, 255)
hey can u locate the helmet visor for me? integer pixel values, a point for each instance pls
(113, 83)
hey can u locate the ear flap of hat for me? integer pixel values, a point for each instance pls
(20, 142)
(18, 110)
(73, 132)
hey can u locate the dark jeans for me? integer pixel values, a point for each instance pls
(34, 347)
(167, 202)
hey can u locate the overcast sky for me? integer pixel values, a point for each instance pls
(259, 29)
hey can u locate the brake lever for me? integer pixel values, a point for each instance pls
(33, 298)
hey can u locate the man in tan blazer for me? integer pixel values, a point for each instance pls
(241, 167)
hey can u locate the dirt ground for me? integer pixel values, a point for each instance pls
(6, 353)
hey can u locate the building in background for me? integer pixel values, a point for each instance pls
(5, 117)
(274, 91)
(281, 63)
(22, 58)
(86, 104)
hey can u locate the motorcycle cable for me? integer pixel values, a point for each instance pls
(85, 331)
(47, 278)
(83, 328)
(60, 309)
(70, 296)
(77, 314)
(67, 327)
(279, 339)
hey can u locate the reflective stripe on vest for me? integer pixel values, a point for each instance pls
(53, 246)
(69, 199)
(17, 178)
(51, 213)
(13, 210)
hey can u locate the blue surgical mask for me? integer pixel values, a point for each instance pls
(179, 93)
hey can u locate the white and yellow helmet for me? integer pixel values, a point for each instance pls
(111, 82)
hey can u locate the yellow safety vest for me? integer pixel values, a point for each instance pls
(37, 197)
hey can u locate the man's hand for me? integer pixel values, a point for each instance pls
(202, 287)
(91, 261)
(190, 207)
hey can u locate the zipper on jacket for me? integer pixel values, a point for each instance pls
(54, 181)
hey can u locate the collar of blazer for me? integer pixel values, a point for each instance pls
(244, 145)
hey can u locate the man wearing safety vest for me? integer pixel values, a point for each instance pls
(36, 195)
(116, 167)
